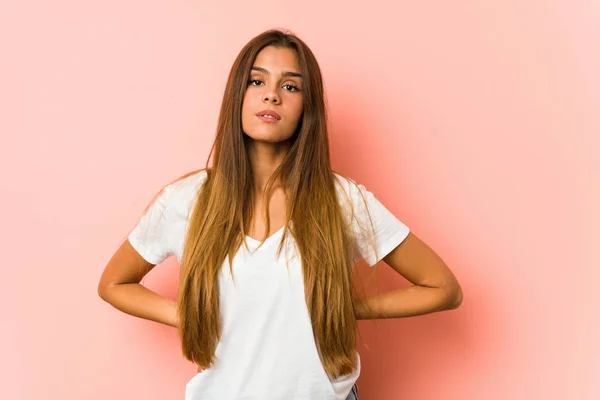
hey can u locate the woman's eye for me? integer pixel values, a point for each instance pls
(287, 86)
(291, 88)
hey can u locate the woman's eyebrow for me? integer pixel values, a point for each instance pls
(285, 73)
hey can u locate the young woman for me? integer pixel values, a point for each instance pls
(267, 239)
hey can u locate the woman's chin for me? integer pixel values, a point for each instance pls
(269, 137)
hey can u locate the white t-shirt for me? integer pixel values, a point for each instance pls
(267, 349)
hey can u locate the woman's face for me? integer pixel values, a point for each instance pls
(274, 85)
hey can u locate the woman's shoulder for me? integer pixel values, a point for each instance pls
(346, 186)
(190, 181)
(181, 192)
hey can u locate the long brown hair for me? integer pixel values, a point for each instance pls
(224, 208)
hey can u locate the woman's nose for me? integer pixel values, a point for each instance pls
(271, 97)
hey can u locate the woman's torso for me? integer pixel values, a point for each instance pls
(267, 347)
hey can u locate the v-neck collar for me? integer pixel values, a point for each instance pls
(257, 242)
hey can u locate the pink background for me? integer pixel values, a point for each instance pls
(476, 123)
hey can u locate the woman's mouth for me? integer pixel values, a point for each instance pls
(268, 116)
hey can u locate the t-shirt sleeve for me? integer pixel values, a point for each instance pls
(150, 236)
(386, 232)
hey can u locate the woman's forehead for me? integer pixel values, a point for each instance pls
(277, 60)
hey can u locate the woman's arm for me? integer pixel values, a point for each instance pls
(120, 287)
(406, 302)
(435, 287)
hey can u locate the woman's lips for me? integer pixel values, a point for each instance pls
(268, 116)
(268, 119)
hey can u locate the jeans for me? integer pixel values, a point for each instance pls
(353, 393)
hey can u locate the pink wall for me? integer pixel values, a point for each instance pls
(476, 123)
